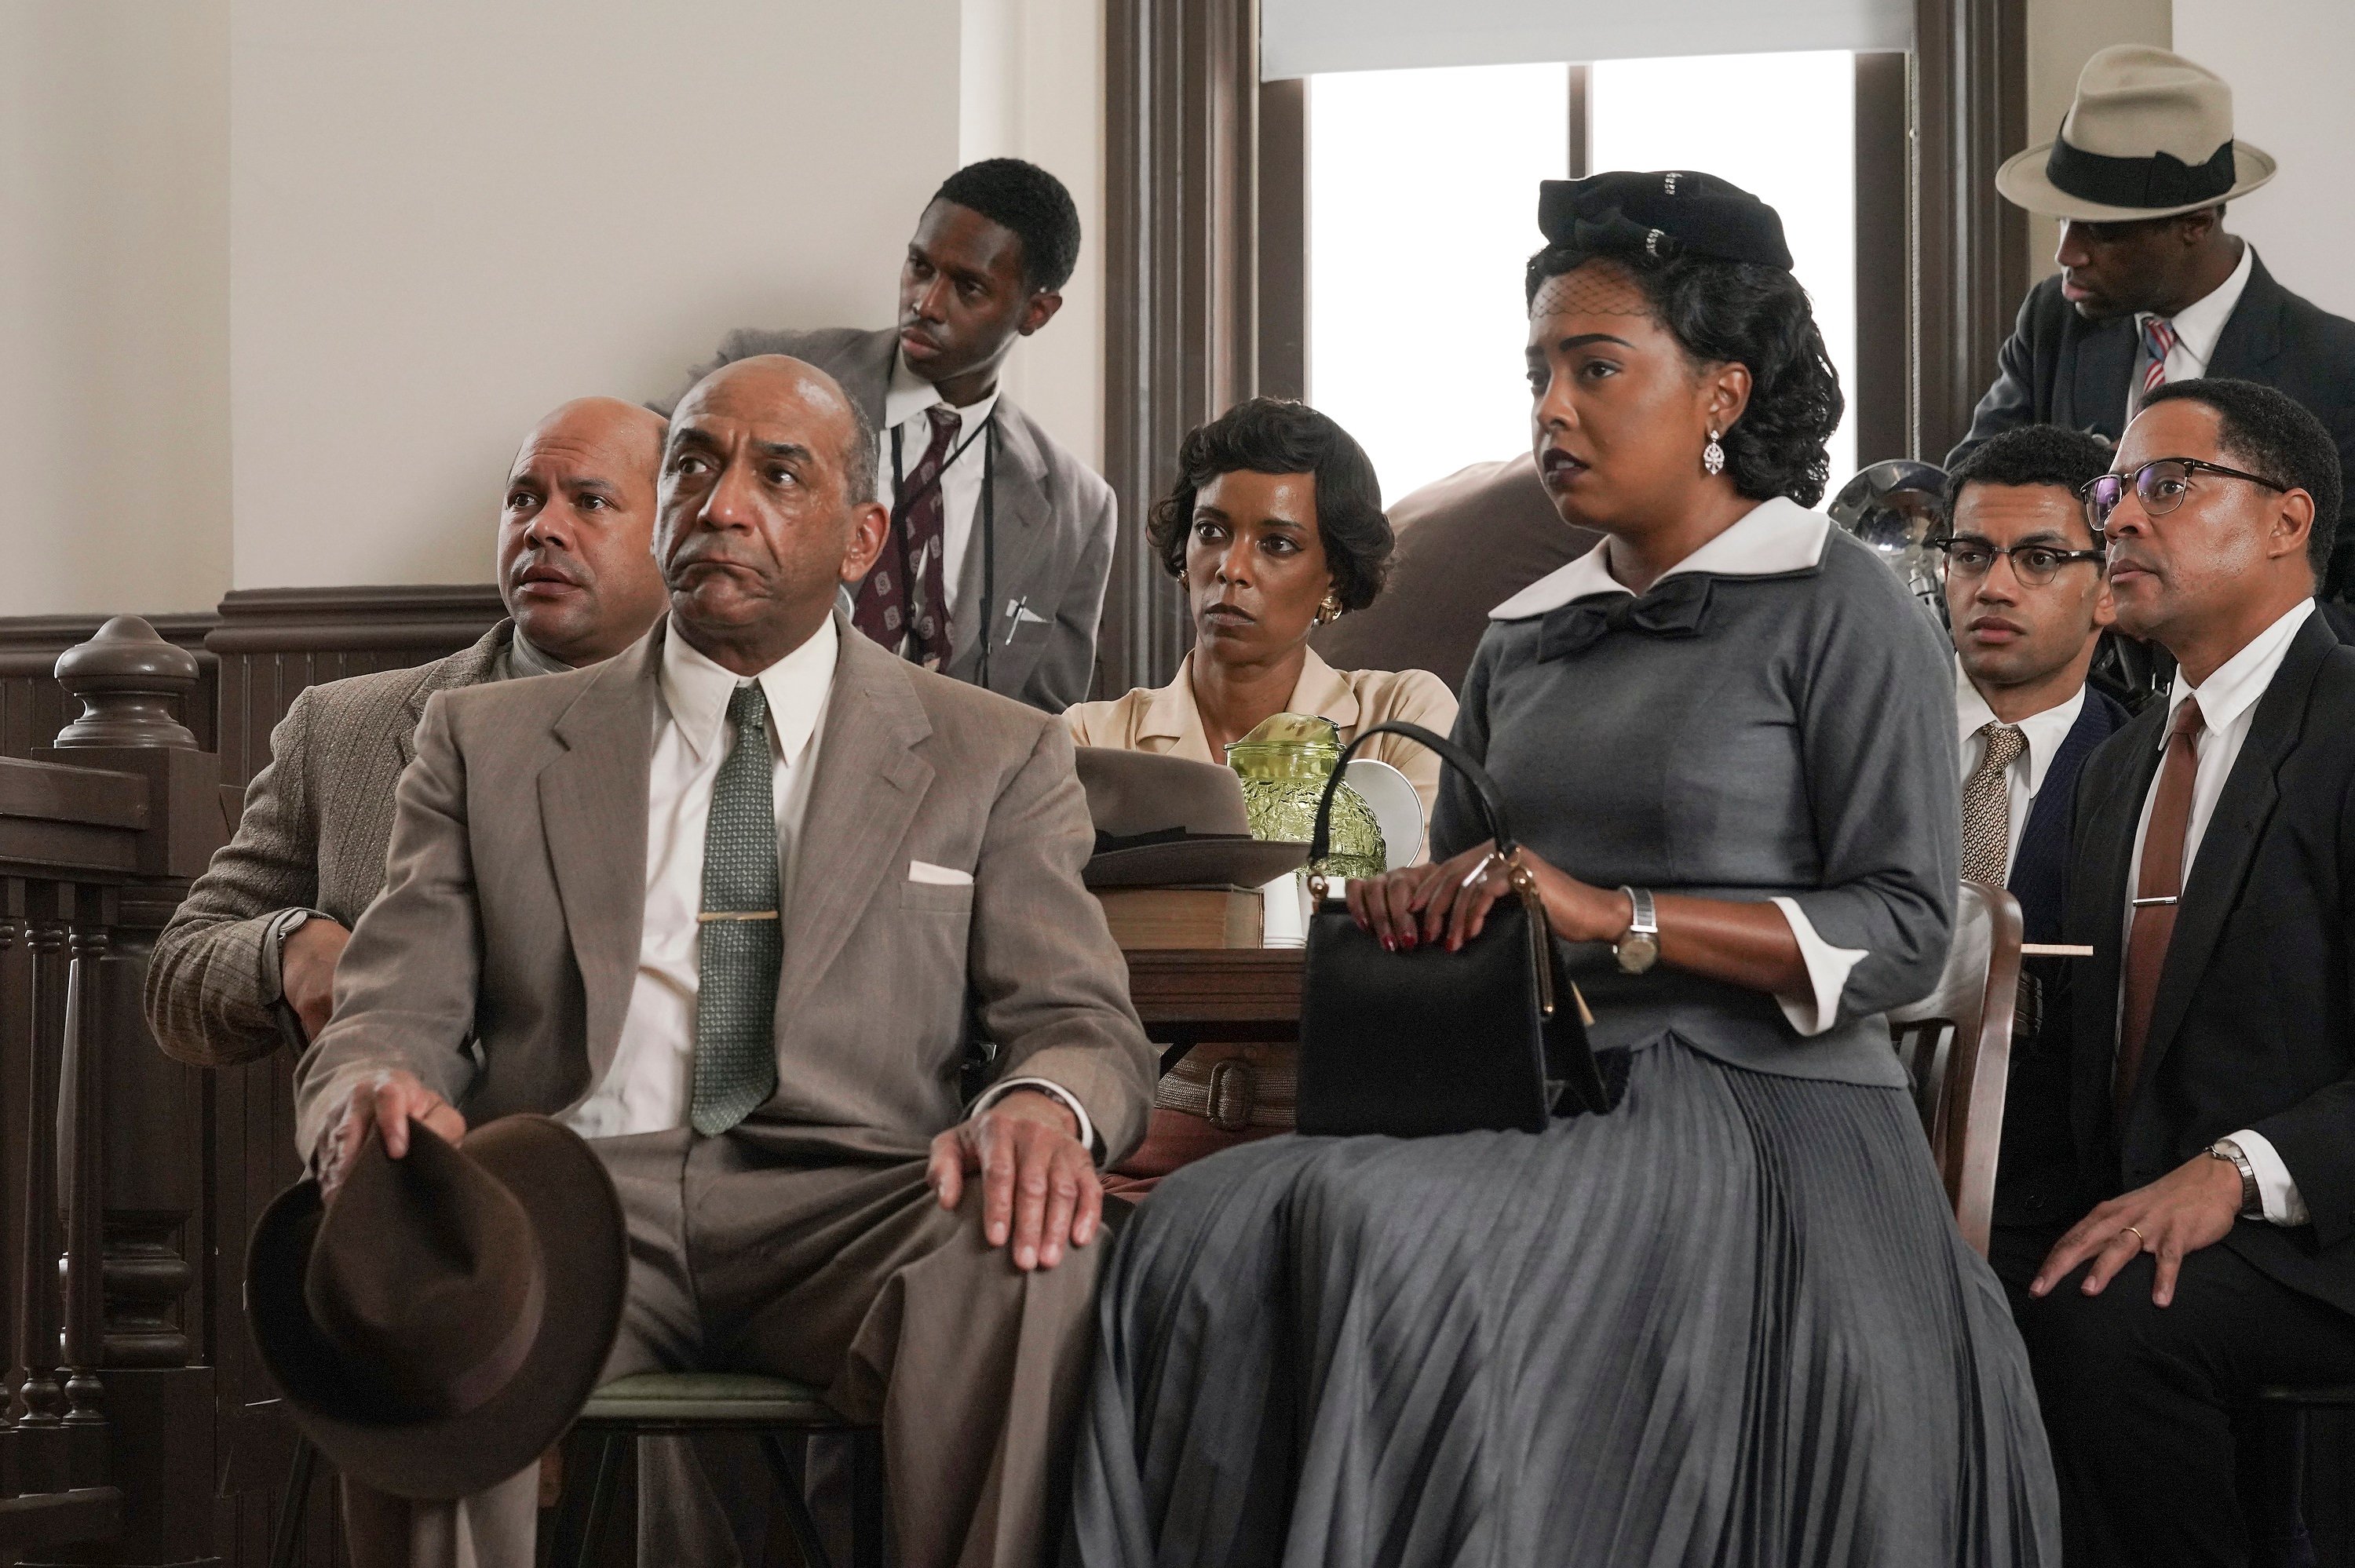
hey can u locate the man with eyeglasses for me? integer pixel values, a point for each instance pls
(2026, 598)
(2151, 288)
(2212, 1087)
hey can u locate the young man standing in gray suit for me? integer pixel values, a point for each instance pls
(729, 906)
(248, 961)
(1000, 540)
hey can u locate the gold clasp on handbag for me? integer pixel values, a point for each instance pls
(1525, 883)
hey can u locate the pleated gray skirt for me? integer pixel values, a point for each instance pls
(1730, 1324)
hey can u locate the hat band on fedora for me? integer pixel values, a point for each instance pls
(409, 1393)
(2159, 181)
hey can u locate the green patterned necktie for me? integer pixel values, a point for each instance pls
(743, 936)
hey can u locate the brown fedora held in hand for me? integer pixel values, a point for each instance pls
(1165, 822)
(2149, 134)
(437, 1327)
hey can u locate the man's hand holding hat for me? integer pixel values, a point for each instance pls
(386, 1102)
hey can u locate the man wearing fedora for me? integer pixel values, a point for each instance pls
(2151, 288)
(734, 906)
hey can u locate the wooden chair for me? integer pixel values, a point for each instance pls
(1956, 1044)
(773, 1408)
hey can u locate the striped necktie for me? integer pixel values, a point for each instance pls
(741, 948)
(2158, 341)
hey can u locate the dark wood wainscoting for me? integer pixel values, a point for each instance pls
(272, 642)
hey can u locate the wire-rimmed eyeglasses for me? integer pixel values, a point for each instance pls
(2160, 485)
(2036, 565)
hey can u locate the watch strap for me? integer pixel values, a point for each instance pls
(2252, 1203)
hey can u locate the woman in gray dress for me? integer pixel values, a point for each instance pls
(1731, 1322)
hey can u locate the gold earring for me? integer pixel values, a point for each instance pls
(1181, 576)
(1329, 610)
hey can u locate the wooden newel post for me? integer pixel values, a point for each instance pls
(137, 1403)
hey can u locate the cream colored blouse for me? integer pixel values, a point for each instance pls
(1164, 719)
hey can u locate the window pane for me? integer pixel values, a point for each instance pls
(1781, 126)
(1422, 190)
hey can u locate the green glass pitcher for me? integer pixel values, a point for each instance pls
(1284, 764)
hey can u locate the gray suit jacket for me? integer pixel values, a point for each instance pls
(313, 836)
(1055, 520)
(498, 964)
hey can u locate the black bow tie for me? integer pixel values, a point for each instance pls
(1675, 607)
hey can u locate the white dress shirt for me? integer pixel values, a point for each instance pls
(2228, 707)
(904, 403)
(2197, 326)
(1774, 537)
(650, 1084)
(2043, 732)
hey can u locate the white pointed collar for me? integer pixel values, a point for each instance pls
(1772, 538)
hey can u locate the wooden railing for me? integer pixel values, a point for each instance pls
(100, 1159)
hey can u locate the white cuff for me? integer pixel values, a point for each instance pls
(1828, 971)
(1005, 1086)
(2276, 1191)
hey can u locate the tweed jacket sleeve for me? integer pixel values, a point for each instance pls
(211, 990)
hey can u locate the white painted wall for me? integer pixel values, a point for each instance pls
(114, 458)
(2287, 61)
(1033, 87)
(283, 281)
(2062, 35)
(448, 215)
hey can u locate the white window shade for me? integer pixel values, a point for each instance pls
(1304, 38)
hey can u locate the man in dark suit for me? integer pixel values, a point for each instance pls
(2151, 288)
(993, 523)
(2213, 1094)
(2027, 599)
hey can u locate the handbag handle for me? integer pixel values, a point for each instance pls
(1484, 788)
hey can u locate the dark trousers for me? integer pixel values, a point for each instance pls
(2147, 1407)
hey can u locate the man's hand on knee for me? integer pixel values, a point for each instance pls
(1038, 1187)
(386, 1102)
(2190, 1207)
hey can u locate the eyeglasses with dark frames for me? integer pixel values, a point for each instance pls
(1967, 556)
(2160, 485)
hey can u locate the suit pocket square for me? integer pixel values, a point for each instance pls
(925, 871)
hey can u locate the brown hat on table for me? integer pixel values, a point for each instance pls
(1163, 822)
(437, 1328)
(2149, 134)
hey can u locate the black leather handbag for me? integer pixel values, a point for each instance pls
(1427, 1042)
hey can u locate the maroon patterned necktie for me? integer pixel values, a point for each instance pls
(903, 603)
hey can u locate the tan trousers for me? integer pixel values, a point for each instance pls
(848, 1278)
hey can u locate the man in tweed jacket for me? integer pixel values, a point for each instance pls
(249, 960)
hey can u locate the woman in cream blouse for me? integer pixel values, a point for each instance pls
(1275, 526)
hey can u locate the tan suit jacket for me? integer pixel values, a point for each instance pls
(517, 886)
(313, 836)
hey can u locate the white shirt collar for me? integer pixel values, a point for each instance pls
(2199, 324)
(2043, 731)
(2233, 687)
(909, 396)
(695, 690)
(1772, 537)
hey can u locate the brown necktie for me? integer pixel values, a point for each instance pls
(2157, 889)
(1986, 805)
(904, 602)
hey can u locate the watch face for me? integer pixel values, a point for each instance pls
(1637, 952)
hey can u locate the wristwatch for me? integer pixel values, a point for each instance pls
(2252, 1203)
(1640, 948)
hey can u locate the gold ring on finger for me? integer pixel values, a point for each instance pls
(2139, 1238)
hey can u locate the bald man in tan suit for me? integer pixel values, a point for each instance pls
(586, 903)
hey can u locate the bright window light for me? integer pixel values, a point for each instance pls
(1782, 127)
(1422, 189)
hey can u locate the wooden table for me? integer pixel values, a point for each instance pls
(1188, 995)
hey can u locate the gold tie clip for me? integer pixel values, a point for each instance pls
(735, 914)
